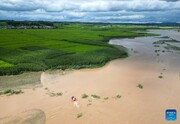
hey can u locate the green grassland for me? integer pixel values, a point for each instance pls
(70, 46)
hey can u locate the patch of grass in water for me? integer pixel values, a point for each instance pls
(106, 98)
(164, 41)
(95, 96)
(156, 51)
(159, 42)
(140, 86)
(160, 76)
(59, 94)
(79, 115)
(156, 46)
(164, 37)
(25, 80)
(135, 51)
(10, 92)
(164, 69)
(84, 96)
(89, 104)
(46, 88)
(172, 47)
(53, 94)
(117, 96)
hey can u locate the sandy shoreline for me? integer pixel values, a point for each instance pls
(121, 76)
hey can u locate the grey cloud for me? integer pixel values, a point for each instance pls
(171, 0)
(18, 5)
(93, 5)
(91, 10)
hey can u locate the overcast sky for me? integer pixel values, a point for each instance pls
(92, 10)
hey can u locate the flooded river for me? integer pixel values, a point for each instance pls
(152, 63)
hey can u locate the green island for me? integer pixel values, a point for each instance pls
(65, 46)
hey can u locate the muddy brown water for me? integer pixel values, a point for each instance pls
(118, 77)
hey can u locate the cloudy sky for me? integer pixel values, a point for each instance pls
(138, 11)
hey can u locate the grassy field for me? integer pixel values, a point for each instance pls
(69, 46)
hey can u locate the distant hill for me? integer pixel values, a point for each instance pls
(47, 24)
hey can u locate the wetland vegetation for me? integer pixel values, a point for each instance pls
(69, 46)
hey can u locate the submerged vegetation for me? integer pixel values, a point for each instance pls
(84, 96)
(95, 96)
(69, 46)
(160, 76)
(106, 98)
(166, 41)
(117, 96)
(52, 93)
(21, 81)
(10, 92)
(167, 44)
(172, 47)
(140, 86)
(79, 115)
